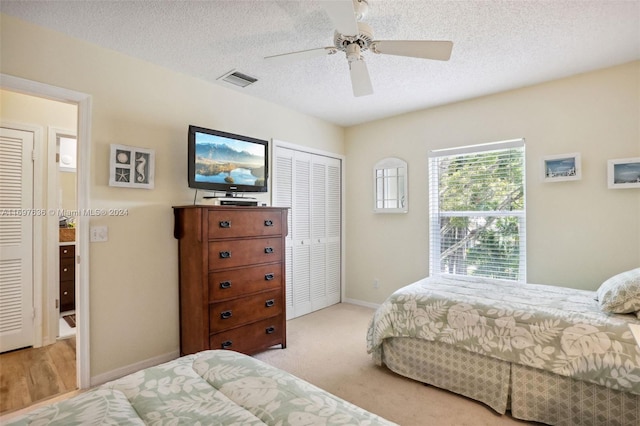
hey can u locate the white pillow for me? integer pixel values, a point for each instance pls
(620, 294)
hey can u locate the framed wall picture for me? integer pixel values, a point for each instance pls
(131, 167)
(623, 173)
(563, 167)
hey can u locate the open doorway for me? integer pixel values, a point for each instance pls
(38, 286)
(48, 262)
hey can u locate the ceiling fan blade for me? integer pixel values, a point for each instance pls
(301, 55)
(360, 80)
(438, 50)
(342, 15)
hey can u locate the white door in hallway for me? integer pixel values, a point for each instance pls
(16, 239)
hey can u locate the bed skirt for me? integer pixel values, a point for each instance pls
(529, 393)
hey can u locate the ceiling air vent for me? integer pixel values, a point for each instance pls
(238, 78)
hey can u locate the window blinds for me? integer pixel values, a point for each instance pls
(477, 211)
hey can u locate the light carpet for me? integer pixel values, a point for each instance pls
(328, 349)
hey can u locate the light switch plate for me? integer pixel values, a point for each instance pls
(98, 234)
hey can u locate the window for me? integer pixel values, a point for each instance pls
(477, 211)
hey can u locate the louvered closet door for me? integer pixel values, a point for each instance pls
(283, 197)
(16, 239)
(325, 232)
(310, 184)
(333, 233)
(301, 235)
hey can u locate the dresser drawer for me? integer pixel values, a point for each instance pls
(67, 251)
(243, 223)
(250, 338)
(232, 313)
(67, 269)
(230, 254)
(67, 295)
(237, 282)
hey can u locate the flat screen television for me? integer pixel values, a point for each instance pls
(226, 162)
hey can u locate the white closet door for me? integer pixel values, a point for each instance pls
(318, 233)
(301, 210)
(16, 239)
(314, 184)
(334, 231)
(283, 197)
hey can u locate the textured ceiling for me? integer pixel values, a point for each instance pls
(498, 45)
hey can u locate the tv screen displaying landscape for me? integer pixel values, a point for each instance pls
(229, 161)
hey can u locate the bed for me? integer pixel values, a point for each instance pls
(548, 354)
(217, 387)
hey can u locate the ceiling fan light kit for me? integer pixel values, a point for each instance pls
(354, 37)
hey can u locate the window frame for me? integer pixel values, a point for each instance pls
(435, 214)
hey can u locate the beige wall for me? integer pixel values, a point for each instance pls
(578, 232)
(134, 276)
(68, 185)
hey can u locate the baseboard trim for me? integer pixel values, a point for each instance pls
(132, 368)
(362, 303)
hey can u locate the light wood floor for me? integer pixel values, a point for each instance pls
(35, 374)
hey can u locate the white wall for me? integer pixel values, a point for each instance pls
(578, 232)
(134, 276)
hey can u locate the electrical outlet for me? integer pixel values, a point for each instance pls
(376, 283)
(98, 234)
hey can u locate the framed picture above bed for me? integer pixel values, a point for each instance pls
(623, 173)
(562, 167)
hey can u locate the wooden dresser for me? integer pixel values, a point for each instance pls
(232, 277)
(67, 277)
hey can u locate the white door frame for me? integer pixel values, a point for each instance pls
(83, 101)
(53, 179)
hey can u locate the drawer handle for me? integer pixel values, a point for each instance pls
(269, 277)
(225, 284)
(226, 344)
(269, 303)
(268, 250)
(65, 251)
(225, 254)
(225, 224)
(270, 330)
(268, 222)
(65, 293)
(64, 270)
(225, 315)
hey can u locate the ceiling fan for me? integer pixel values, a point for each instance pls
(354, 37)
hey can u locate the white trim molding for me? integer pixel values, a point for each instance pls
(132, 368)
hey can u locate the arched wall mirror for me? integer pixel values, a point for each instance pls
(390, 186)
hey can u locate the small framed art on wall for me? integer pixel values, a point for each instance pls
(623, 173)
(563, 167)
(131, 167)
